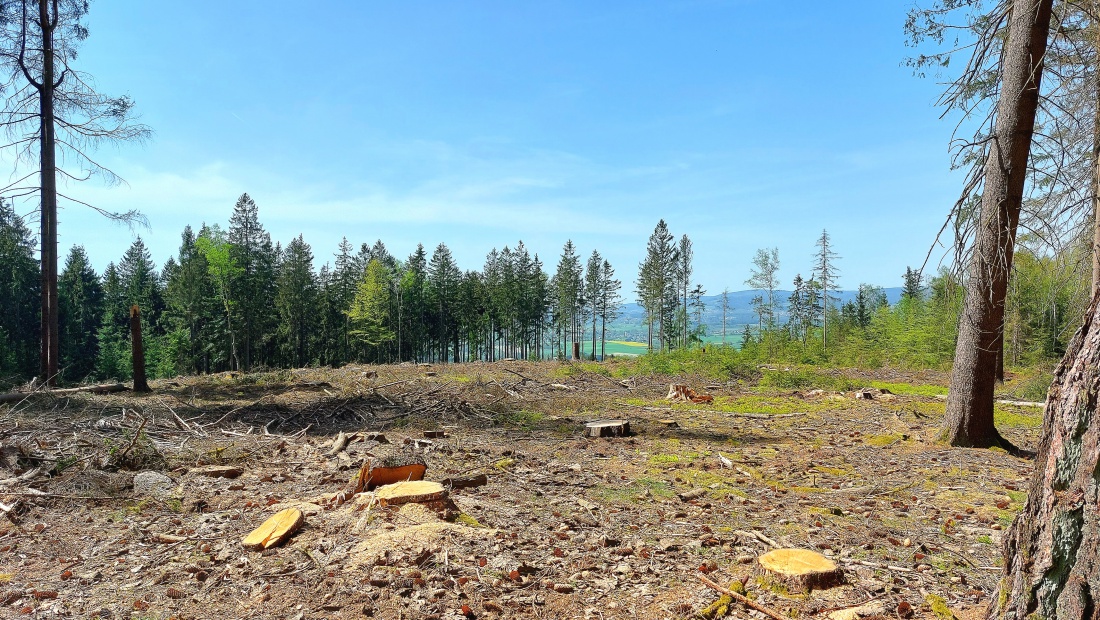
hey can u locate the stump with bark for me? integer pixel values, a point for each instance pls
(799, 570)
(1052, 550)
(607, 428)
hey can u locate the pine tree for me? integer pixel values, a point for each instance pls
(253, 282)
(912, 287)
(113, 360)
(443, 280)
(610, 302)
(80, 297)
(191, 308)
(593, 292)
(826, 275)
(141, 286)
(19, 297)
(568, 288)
(683, 277)
(295, 293)
(656, 284)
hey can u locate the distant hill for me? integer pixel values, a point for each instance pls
(630, 326)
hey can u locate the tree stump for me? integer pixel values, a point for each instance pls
(800, 571)
(419, 491)
(607, 428)
(275, 530)
(388, 471)
(1052, 549)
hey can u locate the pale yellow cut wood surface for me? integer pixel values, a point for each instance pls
(275, 530)
(410, 491)
(796, 562)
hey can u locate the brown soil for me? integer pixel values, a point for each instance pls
(567, 527)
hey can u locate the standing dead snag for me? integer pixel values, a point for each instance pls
(138, 350)
(1052, 550)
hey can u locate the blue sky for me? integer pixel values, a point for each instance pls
(743, 123)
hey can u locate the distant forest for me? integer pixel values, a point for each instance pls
(233, 300)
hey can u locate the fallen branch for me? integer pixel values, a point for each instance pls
(744, 600)
(14, 397)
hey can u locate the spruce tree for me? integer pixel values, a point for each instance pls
(19, 282)
(295, 292)
(253, 280)
(80, 296)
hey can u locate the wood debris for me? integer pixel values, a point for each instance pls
(680, 393)
(275, 530)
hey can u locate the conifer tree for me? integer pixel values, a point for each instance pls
(80, 296)
(295, 292)
(19, 282)
(369, 312)
(253, 281)
(826, 275)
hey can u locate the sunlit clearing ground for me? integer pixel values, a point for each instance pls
(566, 527)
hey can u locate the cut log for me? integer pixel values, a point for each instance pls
(466, 482)
(607, 428)
(419, 491)
(275, 530)
(14, 397)
(799, 570)
(435, 434)
(218, 471)
(342, 440)
(687, 496)
(389, 471)
(668, 423)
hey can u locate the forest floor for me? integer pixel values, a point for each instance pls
(566, 527)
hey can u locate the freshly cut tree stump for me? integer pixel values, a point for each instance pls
(388, 471)
(419, 491)
(607, 428)
(799, 570)
(275, 530)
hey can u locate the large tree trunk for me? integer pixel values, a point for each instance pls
(1052, 550)
(1096, 173)
(48, 178)
(969, 419)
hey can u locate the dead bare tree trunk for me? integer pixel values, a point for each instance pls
(51, 349)
(1052, 550)
(137, 348)
(969, 418)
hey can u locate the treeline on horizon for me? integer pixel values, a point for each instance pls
(233, 300)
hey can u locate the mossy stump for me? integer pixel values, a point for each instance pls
(799, 571)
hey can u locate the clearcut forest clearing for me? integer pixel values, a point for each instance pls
(561, 525)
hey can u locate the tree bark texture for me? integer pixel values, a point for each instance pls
(51, 349)
(969, 419)
(1052, 549)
